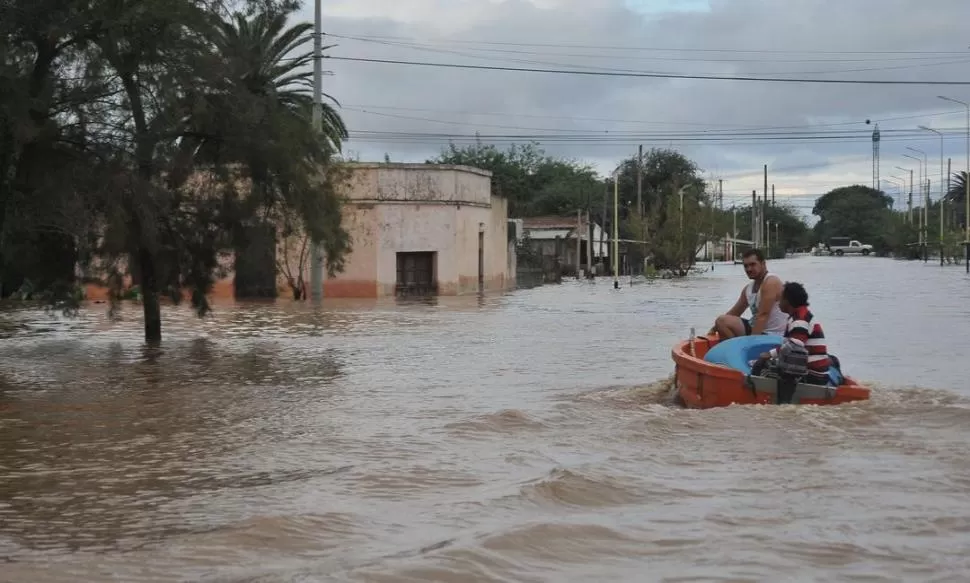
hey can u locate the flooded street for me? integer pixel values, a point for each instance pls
(525, 437)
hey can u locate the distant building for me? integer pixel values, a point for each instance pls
(554, 238)
(423, 229)
(415, 229)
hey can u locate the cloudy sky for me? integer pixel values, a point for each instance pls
(814, 137)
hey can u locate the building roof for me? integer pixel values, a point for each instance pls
(549, 222)
(420, 166)
(551, 233)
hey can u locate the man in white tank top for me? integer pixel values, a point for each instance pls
(761, 296)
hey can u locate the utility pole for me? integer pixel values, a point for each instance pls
(710, 240)
(910, 204)
(616, 230)
(316, 249)
(603, 246)
(640, 182)
(579, 241)
(773, 208)
(966, 194)
(942, 223)
(764, 211)
(720, 193)
(926, 204)
(734, 233)
(680, 191)
(754, 218)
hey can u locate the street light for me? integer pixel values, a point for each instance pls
(942, 191)
(892, 181)
(966, 182)
(909, 211)
(920, 163)
(926, 195)
(942, 194)
(900, 182)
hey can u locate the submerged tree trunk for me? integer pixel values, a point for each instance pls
(149, 291)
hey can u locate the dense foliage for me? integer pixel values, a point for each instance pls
(677, 211)
(867, 215)
(148, 137)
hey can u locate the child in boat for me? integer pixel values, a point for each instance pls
(805, 330)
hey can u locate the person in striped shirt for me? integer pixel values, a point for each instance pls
(804, 329)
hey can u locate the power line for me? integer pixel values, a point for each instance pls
(645, 74)
(608, 139)
(717, 132)
(509, 114)
(672, 49)
(438, 50)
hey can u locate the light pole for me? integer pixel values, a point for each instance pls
(616, 229)
(942, 192)
(966, 182)
(892, 181)
(920, 165)
(926, 196)
(900, 184)
(909, 209)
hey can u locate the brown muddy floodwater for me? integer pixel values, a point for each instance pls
(526, 437)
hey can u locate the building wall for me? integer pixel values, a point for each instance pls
(499, 271)
(394, 208)
(360, 266)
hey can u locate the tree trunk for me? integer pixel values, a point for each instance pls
(144, 158)
(149, 292)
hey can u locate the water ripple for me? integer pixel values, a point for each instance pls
(522, 437)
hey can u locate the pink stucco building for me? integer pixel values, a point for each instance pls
(423, 229)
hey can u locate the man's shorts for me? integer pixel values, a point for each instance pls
(747, 326)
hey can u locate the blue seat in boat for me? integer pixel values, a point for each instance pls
(737, 352)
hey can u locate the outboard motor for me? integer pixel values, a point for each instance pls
(790, 366)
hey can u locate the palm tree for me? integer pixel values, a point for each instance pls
(957, 195)
(263, 59)
(256, 115)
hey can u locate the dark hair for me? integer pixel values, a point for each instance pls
(795, 294)
(754, 253)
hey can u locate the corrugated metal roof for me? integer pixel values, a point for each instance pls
(548, 233)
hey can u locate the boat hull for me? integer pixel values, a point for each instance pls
(704, 385)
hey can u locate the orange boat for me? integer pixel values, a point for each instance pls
(703, 384)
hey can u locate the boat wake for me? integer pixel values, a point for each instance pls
(885, 399)
(659, 392)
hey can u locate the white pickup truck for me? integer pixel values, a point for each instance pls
(843, 245)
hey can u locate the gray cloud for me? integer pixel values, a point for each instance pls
(609, 116)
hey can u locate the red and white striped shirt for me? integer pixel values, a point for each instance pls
(804, 329)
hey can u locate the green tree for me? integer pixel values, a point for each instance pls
(677, 235)
(957, 197)
(534, 183)
(856, 211)
(511, 170)
(663, 173)
(268, 133)
(45, 76)
(173, 132)
(563, 187)
(792, 231)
